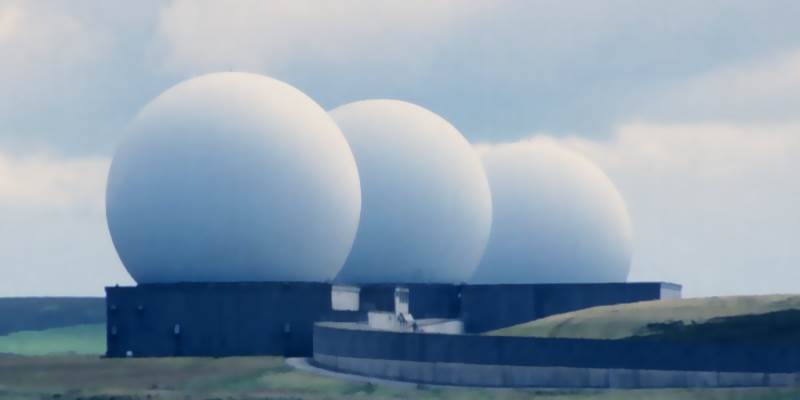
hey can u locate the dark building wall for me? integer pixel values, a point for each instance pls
(341, 341)
(434, 300)
(223, 319)
(216, 319)
(376, 297)
(488, 307)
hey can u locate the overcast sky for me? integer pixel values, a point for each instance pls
(692, 108)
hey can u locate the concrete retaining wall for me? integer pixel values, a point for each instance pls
(460, 374)
(474, 360)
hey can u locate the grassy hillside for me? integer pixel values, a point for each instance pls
(78, 339)
(39, 313)
(777, 327)
(66, 378)
(650, 317)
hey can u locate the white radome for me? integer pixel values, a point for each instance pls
(233, 177)
(426, 205)
(557, 218)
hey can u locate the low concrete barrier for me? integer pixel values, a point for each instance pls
(491, 361)
(459, 374)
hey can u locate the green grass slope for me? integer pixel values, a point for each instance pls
(643, 318)
(78, 339)
(235, 378)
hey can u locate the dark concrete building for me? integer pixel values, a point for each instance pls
(215, 319)
(277, 318)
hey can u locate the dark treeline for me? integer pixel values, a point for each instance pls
(38, 313)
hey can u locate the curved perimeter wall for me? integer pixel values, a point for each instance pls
(474, 360)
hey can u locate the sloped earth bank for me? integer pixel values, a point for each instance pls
(654, 317)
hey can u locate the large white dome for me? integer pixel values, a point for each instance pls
(426, 206)
(233, 177)
(557, 218)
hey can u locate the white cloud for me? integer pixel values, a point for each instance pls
(41, 181)
(709, 201)
(72, 73)
(277, 36)
(10, 22)
(714, 206)
(705, 150)
(53, 234)
(764, 89)
(490, 67)
(40, 48)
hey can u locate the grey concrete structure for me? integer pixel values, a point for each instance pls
(487, 375)
(471, 360)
